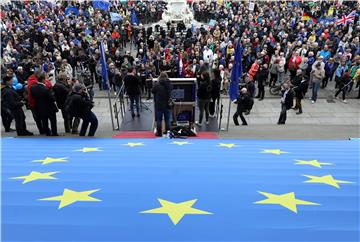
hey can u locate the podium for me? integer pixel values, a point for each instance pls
(184, 99)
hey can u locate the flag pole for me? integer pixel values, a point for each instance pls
(228, 118)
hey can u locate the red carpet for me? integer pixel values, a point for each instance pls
(150, 135)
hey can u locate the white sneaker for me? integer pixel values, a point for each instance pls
(344, 101)
(207, 122)
(197, 123)
(312, 101)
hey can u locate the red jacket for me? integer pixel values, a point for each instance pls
(32, 80)
(297, 62)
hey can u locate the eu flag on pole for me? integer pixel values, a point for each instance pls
(104, 73)
(134, 20)
(236, 72)
(101, 4)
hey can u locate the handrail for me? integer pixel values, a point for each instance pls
(121, 109)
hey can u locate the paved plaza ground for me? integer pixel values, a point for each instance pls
(329, 118)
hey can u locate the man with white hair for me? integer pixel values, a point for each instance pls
(243, 102)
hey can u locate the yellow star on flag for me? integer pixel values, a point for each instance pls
(34, 175)
(69, 197)
(130, 144)
(89, 149)
(176, 211)
(275, 152)
(314, 163)
(49, 160)
(287, 200)
(227, 145)
(180, 143)
(328, 179)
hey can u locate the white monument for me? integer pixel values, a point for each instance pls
(178, 11)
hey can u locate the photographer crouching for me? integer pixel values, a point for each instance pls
(79, 105)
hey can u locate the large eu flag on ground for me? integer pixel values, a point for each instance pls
(179, 190)
(236, 72)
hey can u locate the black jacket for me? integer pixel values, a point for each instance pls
(61, 91)
(215, 87)
(10, 99)
(289, 99)
(162, 93)
(261, 77)
(44, 99)
(78, 105)
(204, 89)
(244, 102)
(300, 87)
(132, 85)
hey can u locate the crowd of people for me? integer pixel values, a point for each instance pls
(51, 59)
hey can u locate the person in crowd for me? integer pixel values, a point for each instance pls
(132, 86)
(215, 92)
(329, 72)
(45, 107)
(300, 88)
(204, 96)
(343, 83)
(287, 96)
(318, 74)
(61, 91)
(261, 78)
(162, 97)
(294, 63)
(243, 101)
(12, 103)
(79, 105)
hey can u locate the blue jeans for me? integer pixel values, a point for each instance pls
(159, 117)
(89, 118)
(134, 99)
(315, 88)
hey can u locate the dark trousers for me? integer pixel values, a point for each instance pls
(159, 117)
(212, 105)
(20, 124)
(343, 90)
(204, 106)
(292, 74)
(6, 118)
(325, 81)
(45, 123)
(134, 100)
(261, 92)
(92, 119)
(298, 104)
(236, 115)
(66, 118)
(273, 79)
(282, 117)
(38, 122)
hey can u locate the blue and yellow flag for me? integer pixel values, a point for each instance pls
(179, 190)
(236, 72)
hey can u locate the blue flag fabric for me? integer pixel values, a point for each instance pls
(71, 10)
(125, 177)
(104, 73)
(115, 17)
(134, 20)
(236, 72)
(101, 4)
